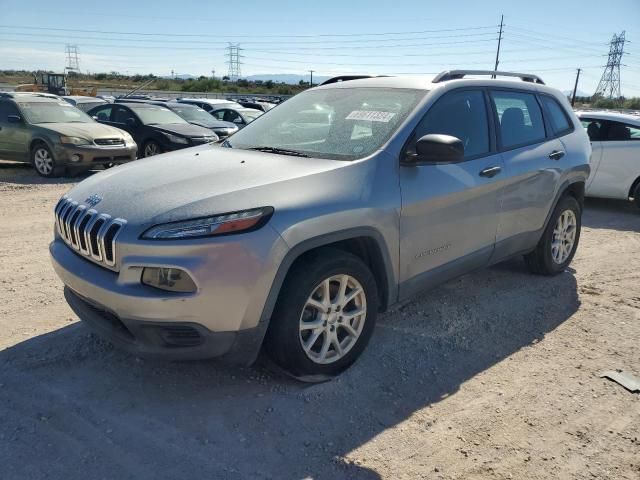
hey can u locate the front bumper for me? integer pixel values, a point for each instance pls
(223, 318)
(94, 155)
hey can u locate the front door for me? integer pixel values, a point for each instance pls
(450, 211)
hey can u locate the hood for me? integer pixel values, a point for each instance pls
(85, 130)
(209, 180)
(214, 124)
(183, 129)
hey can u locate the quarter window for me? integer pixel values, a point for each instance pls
(461, 114)
(557, 116)
(520, 118)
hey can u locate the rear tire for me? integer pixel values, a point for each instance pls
(43, 161)
(315, 335)
(151, 148)
(559, 242)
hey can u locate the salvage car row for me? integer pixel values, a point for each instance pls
(80, 133)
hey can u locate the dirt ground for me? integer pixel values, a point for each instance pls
(493, 375)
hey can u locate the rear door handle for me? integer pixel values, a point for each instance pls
(556, 155)
(490, 171)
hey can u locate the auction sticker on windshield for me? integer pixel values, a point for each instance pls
(371, 116)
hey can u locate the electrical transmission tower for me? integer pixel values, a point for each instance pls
(234, 56)
(73, 64)
(609, 86)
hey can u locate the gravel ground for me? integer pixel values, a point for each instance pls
(493, 375)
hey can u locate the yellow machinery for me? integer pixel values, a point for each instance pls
(55, 83)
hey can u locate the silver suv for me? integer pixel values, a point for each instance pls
(299, 229)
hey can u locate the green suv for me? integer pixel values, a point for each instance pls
(55, 136)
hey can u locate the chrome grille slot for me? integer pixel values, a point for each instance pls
(109, 141)
(89, 233)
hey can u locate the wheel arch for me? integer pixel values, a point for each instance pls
(37, 141)
(634, 185)
(365, 242)
(574, 188)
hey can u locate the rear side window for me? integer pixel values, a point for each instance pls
(520, 118)
(462, 114)
(557, 117)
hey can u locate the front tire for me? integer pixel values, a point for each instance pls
(636, 195)
(44, 163)
(324, 316)
(559, 241)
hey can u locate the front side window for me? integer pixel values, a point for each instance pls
(596, 129)
(462, 115)
(103, 113)
(333, 123)
(557, 116)
(520, 118)
(7, 109)
(53, 112)
(621, 132)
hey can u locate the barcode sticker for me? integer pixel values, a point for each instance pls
(372, 116)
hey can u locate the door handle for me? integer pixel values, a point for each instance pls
(556, 155)
(490, 171)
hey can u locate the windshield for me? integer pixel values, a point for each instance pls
(251, 115)
(194, 114)
(337, 123)
(157, 115)
(53, 112)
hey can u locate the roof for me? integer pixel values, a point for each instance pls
(610, 115)
(36, 99)
(211, 101)
(134, 105)
(83, 98)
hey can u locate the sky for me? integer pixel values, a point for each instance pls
(545, 37)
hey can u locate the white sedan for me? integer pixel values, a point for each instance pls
(615, 162)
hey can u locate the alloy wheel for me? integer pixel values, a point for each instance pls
(151, 149)
(564, 237)
(43, 161)
(332, 319)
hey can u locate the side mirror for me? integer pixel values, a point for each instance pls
(14, 119)
(130, 122)
(437, 148)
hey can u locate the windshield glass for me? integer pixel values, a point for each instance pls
(251, 115)
(337, 123)
(157, 115)
(193, 114)
(53, 113)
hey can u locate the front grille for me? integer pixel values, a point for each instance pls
(109, 141)
(91, 234)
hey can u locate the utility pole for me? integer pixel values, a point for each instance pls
(575, 88)
(311, 79)
(495, 69)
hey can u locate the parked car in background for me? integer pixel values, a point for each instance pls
(298, 241)
(154, 128)
(84, 103)
(107, 98)
(54, 136)
(226, 111)
(196, 116)
(256, 105)
(615, 162)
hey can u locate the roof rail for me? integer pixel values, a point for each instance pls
(457, 74)
(344, 78)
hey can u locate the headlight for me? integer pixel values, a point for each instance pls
(74, 140)
(128, 139)
(171, 279)
(176, 139)
(226, 224)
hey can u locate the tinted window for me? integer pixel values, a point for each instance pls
(557, 117)
(102, 113)
(621, 132)
(463, 115)
(53, 112)
(7, 109)
(121, 114)
(520, 118)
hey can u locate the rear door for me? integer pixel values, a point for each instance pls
(620, 163)
(533, 163)
(14, 137)
(450, 211)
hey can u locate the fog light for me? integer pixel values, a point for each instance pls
(170, 279)
(75, 157)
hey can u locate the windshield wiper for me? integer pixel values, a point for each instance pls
(279, 151)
